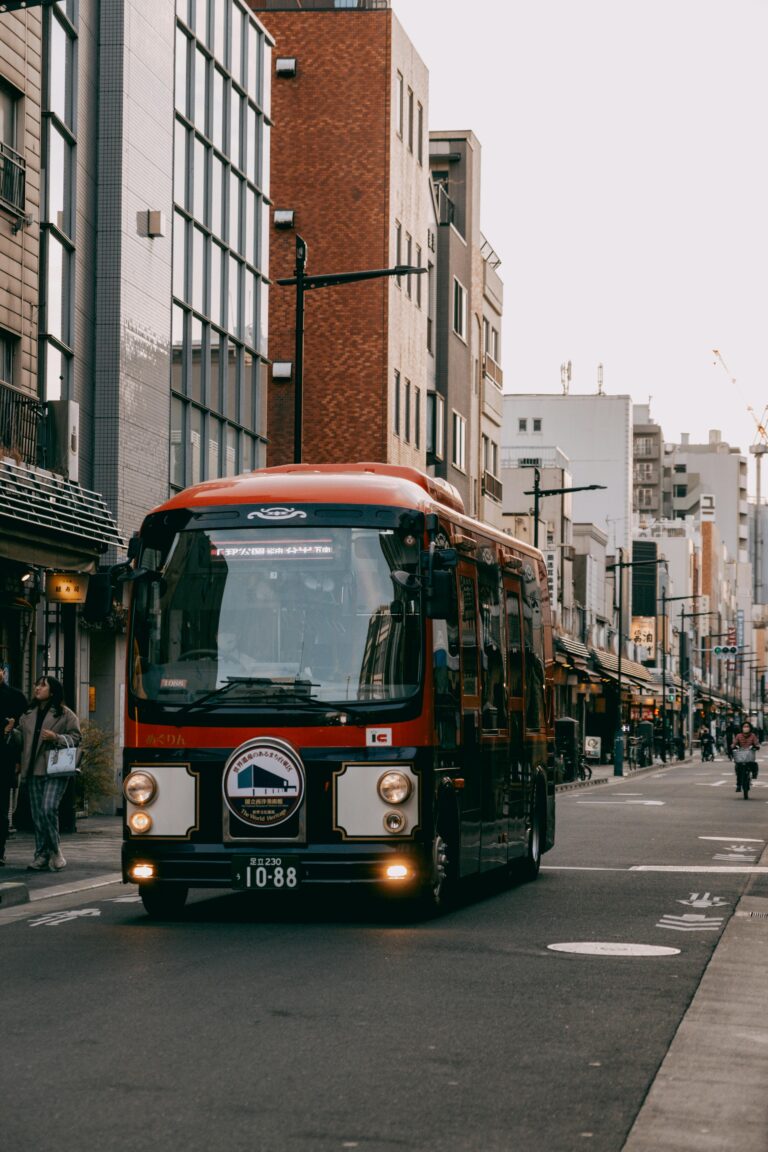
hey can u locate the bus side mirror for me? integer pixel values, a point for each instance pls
(440, 600)
(98, 599)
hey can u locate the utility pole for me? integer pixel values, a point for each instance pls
(304, 283)
(538, 492)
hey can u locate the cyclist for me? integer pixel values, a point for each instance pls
(707, 744)
(745, 739)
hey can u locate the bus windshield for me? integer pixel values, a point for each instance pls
(271, 614)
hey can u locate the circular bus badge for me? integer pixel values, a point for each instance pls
(263, 783)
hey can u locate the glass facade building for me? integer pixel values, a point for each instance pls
(220, 242)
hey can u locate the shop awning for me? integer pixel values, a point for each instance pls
(609, 662)
(48, 520)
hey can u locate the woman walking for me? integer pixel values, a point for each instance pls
(46, 725)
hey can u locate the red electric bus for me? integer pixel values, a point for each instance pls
(335, 677)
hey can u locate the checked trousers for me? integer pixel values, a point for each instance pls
(45, 793)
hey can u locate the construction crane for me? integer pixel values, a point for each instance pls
(761, 436)
(758, 450)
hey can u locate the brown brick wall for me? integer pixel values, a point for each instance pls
(331, 164)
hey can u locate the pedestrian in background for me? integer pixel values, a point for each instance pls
(46, 725)
(12, 705)
(744, 739)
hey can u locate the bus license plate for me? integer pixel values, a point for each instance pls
(266, 873)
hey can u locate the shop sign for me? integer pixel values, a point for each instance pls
(66, 587)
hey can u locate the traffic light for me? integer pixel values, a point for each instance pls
(726, 650)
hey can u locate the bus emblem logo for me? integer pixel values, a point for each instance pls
(277, 514)
(263, 783)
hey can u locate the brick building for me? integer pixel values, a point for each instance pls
(350, 163)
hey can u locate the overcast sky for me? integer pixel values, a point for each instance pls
(625, 188)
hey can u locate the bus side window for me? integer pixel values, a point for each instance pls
(493, 655)
(469, 672)
(514, 645)
(533, 633)
(446, 665)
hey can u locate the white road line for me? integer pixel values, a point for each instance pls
(736, 869)
(739, 839)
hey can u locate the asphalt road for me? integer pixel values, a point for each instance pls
(270, 1027)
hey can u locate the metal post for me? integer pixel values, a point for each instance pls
(298, 366)
(664, 675)
(536, 489)
(618, 743)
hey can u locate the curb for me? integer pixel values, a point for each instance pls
(12, 893)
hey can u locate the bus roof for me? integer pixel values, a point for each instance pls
(360, 483)
(373, 483)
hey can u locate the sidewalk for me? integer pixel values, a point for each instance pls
(92, 854)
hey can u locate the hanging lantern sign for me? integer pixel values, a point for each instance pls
(66, 587)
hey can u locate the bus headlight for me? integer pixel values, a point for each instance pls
(394, 822)
(140, 788)
(395, 787)
(140, 822)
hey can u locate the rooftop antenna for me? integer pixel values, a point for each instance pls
(600, 380)
(566, 372)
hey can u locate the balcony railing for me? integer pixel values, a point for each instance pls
(13, 178)
(23, 426)
(492, 369)
(491, 486)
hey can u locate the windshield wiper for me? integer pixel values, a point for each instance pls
(272, 694)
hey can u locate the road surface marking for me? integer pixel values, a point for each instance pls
(702, 869)
(703, 900)
(741, 839)
(615, 803)
(612, 948)
(54, 918)
(691, 922)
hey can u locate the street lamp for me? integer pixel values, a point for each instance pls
(664, 601)
(304, 284)
(537, 492)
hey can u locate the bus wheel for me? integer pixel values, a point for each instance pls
(439, 891)
(163, 901)
(532, 860)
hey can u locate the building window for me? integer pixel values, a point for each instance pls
(522, 424)
(645, 497)
(399, 111)
(459, 309)
(645, 446)
(397, 403)
(680, 491)
(681, 468)
(417, 417)
(435, 425)
(537, 424)
(418, 278)
(407, 406)
(7, 345)
(410, 120)
(430, 308)
(12, 169)
(459, 445)
(398, 249)
(409, 262)
(420, 133)
(219, 311)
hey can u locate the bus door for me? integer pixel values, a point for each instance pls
(471, 759)
(516, 704)
(494, 718)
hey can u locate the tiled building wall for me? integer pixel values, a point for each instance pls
(133, 290)
(20, 66)
(330, 164)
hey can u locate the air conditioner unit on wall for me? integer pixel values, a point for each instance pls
(64, 424)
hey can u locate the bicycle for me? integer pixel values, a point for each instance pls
(746, 769)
